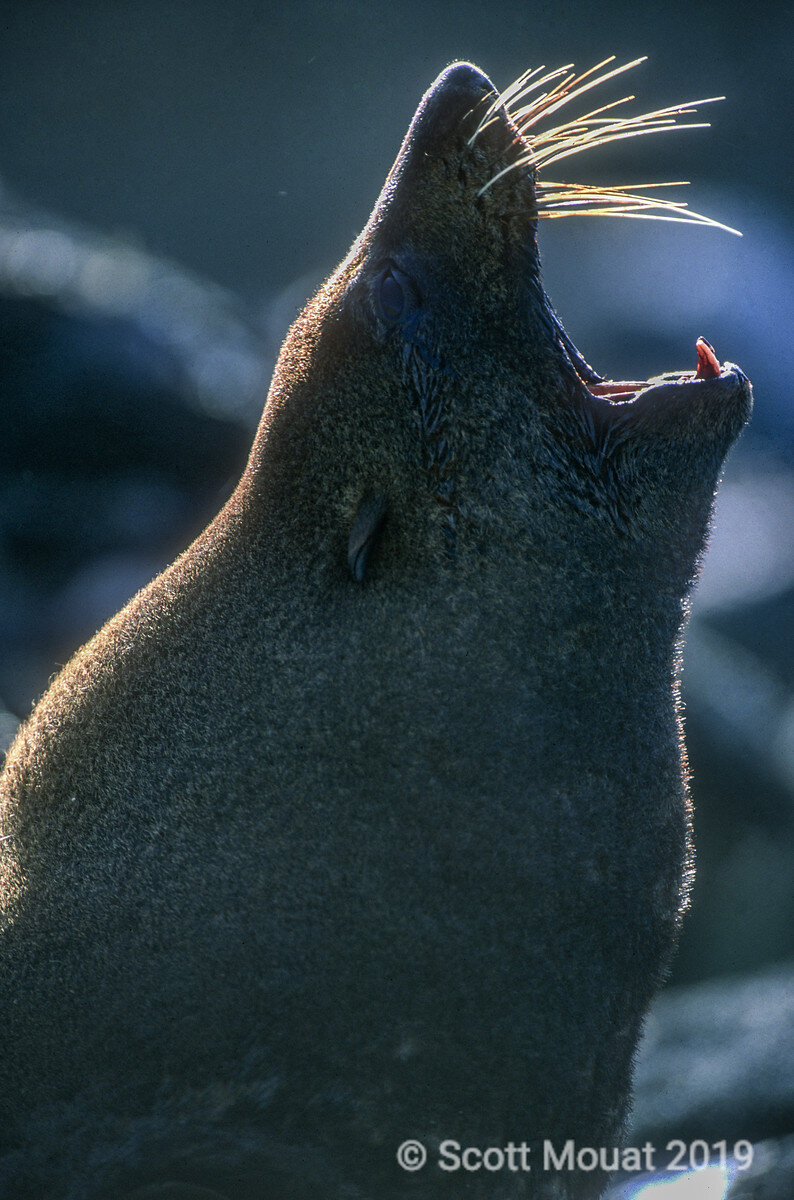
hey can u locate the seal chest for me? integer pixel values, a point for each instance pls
(366, 820)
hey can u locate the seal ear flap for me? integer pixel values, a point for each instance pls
(364, 533)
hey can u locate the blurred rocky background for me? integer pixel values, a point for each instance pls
(175, 177)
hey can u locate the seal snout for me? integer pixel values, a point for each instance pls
(458, 91)
(465, 78)
(432, 189)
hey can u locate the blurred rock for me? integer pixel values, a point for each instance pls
(715, 1073)
(717, 1062)
(771, 1176)
(100, 302)
(742, 700)
(129, 389)
(749, 557)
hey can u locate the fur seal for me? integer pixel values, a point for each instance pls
(366, 821)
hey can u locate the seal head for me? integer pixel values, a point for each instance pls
(367, 820)
(447, 278)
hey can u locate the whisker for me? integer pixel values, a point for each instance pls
(548, 189)
(567, 200)
(549, 77)
(690, 218)
(514, 93)
(573, 92)
(529, 108)
(547, 160)
(659, 119)
(577, 122)
(592, 118)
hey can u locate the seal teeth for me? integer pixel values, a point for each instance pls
(708, 364)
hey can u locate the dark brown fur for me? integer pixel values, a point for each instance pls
(366, 820)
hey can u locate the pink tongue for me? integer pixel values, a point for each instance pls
(708, 366)
(615, 389)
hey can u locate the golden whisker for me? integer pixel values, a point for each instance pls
(690, 218)
(544, 146)
(525, 118)
(570, 199)
(508, 96)
(603, 137)
(599, 130)
(582, 122)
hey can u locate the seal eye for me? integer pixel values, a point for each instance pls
(391, 296)
(396, 297)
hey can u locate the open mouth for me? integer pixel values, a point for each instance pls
(708, 367)
(529, 104)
